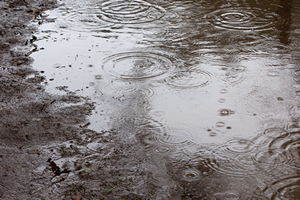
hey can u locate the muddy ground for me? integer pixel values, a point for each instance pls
(43, 137)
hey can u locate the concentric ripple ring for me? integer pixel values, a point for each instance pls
(189, 79)
(130, 12)
(247, 20)
(136, 65)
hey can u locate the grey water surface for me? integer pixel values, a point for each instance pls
(212, 86)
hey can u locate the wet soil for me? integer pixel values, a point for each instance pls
(32, 119)
(186, 99)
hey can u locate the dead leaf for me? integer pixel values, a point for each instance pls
(78, 197)
(36, 150)
(26, 3)
(17, 63)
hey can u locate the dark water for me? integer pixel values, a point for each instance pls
(212, 86)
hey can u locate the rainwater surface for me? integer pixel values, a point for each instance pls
(211, 87)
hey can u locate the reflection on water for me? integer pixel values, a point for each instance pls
(210, 88)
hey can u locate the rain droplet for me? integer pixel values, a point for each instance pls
(273, 73)
(223, 91)
(232, 196)
(222, 100)
(98, 77)
(191, 175)
(220, 124)
(212, 134)
(162, 149)
(225, 112)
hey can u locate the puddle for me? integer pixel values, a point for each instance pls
(208, 89)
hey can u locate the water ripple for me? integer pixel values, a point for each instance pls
(117, 88)
(243, 19)
(82, 19)
(289, 146)
(190, 175)
(188, 79)
(137, 65)
(284, 189)
(238, 146)
(155, 134)
(236, 158)
(130, 12)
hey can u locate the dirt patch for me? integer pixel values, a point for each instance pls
(46, 148)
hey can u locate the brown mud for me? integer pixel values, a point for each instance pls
(38, 128)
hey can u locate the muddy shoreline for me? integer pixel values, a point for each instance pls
(38, 128)
(149, 100)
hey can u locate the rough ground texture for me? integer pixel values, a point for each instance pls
(44, 138)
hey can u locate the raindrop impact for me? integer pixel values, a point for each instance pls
(243, 19)
(191, 175)
(130, 12)
(137, 65)
(188, 79)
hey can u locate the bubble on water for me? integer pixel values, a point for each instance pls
(191, 175)
(244, 19)
(98, 77)
(163, 149)
(92, 84)
(130, 12)
(137, 65)
(237, 68)
(225, 112)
